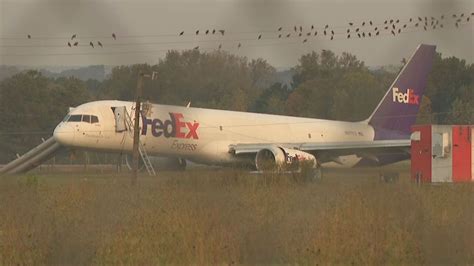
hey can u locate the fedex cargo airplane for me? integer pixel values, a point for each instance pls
(217, 137)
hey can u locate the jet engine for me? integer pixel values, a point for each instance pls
(282, 159)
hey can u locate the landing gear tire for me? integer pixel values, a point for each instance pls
(389, 177)
(314, 175)
(317, 174)
(181, 164)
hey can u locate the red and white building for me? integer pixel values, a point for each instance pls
(442, 153)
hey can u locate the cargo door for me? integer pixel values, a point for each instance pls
(120, 113)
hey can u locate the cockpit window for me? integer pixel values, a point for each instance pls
(92, 119)
(75, 118)
(86, 118)
(66, 118)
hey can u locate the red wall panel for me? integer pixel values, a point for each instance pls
(421, 153)
(461, 154)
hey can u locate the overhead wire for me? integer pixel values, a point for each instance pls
(332, 35)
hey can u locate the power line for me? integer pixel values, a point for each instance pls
(381, 35)
(355, 33)
(368, 23)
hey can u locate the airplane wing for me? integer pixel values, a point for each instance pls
(329, 151)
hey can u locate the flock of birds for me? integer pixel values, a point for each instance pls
(364, 29)
(74, 43)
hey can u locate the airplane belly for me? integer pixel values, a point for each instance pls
(347, 161)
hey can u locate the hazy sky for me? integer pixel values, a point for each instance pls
(147, 29)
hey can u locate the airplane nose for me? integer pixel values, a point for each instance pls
(64, 134)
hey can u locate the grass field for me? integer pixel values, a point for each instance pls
(230, 216)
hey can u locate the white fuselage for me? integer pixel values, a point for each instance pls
(202, 135)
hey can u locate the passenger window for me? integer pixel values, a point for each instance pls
(75, 118)
(94, 119)
(86, 118)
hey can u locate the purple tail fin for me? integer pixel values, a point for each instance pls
(396, 113)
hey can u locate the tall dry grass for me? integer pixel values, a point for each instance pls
(225, 217)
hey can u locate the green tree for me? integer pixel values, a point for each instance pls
(272, 100)
(333, 87)
(31, 106)
(448, 77)
(462, 109)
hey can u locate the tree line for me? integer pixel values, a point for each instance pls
(324, 85)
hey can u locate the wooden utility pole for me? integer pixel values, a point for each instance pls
(136, 128)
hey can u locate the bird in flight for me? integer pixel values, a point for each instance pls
(113, 36)
(181, 33)
(100, 44)
(29, 36)
(69, 44)
(73, 37)
(91, 44)
(76, 43)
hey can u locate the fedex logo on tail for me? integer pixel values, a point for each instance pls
(408, 97)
